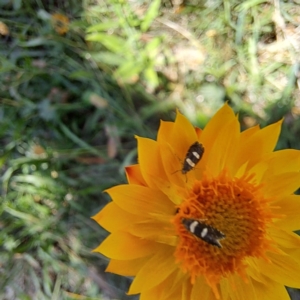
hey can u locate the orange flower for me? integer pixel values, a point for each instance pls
(60, 23)
(212, 225)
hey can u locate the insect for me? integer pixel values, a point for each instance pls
(204, 232)
(193, 156)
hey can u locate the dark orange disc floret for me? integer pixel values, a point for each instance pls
(235, 207)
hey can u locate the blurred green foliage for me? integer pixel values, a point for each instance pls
(126, 49)
(71, 104)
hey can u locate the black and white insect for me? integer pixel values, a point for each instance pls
(193, 156)
(204, 232)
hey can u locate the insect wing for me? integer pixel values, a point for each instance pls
(203, 231)
(193, 156)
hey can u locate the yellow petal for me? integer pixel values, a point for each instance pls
(272, 290)
(126, 267)
(113, 218)
(241, 170)
(258, 145)
(170, 287)
(220, 153)
(141, 200)
(225, 288)
(290, 207)
(157, 269)
(239, 288)
(201, 288)
(150, 161)
(162, 232)
(122, 246)
(176, 295)
(186, 290)
(249, 132)
(174, 193)
(164, 131)
(174, 281)
(285, 239)
(283, 269)
(242, 144)
(223, 116)
(276, 163)
(258, 171)
(254, 271)
(293, 252)
(281, 184)
(134, 175)
(182, 136)
(172, 165)
(287, 160)
(150, 294)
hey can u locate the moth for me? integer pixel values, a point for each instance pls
(204, 232)
(192, 157)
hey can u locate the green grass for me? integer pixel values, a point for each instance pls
(71, 104)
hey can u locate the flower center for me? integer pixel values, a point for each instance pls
(219, 224)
